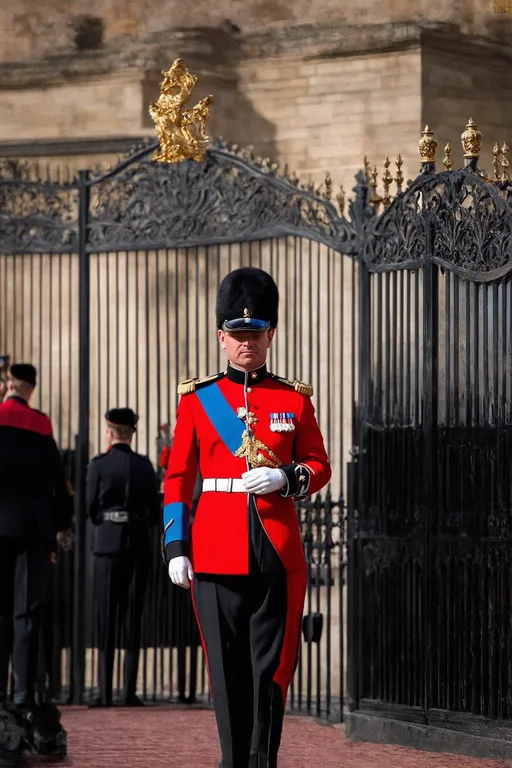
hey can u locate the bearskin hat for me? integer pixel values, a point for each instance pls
(247, 300)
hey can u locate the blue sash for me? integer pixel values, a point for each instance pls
(230, 430)
(222, 416)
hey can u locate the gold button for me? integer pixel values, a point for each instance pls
(249, 390)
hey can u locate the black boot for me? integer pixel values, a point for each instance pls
(43, 729)
(12, 740)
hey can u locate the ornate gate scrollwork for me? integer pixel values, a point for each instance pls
(429, 542)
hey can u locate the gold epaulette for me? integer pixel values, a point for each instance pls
(303, 389)
(190, 385)
(299, 386)
(187, 387)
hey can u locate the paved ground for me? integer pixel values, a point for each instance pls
(181, 738)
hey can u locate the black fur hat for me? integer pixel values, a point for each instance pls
(247, 300)
(24, 372)
(122, 417)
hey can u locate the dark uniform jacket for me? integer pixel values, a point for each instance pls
(122, 480)
(34, 499)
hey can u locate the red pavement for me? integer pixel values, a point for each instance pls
(186, 738)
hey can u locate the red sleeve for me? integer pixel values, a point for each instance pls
(311, 469)
(164, 457)
(179, 482)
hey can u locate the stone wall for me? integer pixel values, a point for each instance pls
(30, 29)
(327, 114)
(313, 97)
(459, 82)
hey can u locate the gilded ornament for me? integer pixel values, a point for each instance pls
(505, 162)
(181, 131)
(375, 199)
(428, 146)
(399, 178)
(340, 199)
(386, 181)
(328, 186)
(249, 416)
(471, 140)
(251, 448)
(496, 152)
(502, 6)
(447, 160)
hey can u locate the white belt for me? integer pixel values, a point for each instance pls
(225, 484)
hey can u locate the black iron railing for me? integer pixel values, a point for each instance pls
(108, 284)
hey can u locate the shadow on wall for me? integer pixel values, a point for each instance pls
(213, 55)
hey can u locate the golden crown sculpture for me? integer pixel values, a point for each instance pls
(181, 132)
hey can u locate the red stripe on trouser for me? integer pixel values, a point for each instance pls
(201, 635)
(296, 582)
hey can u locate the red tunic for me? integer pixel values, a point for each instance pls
(220, 533)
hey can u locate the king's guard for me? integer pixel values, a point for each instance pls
(255, 439)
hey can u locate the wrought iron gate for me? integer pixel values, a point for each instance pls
(430, 528)
(108, 283)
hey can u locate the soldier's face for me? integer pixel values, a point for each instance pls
(246, 349)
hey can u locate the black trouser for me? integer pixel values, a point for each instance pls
(121, 581)
(49, 678)
(243, 621)
(186, 636)
(24, 564)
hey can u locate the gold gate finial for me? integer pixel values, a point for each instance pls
(181, 131)
(471, 141)
(496, 157)
(447, 160)
(505, 162)
(428, 146)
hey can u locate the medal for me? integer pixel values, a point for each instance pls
(246, 416)
(282, 422)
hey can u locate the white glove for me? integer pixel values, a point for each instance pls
(180, 571)
(264, 480)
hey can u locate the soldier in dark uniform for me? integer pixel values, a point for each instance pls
(35, 510)
(123, 504)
